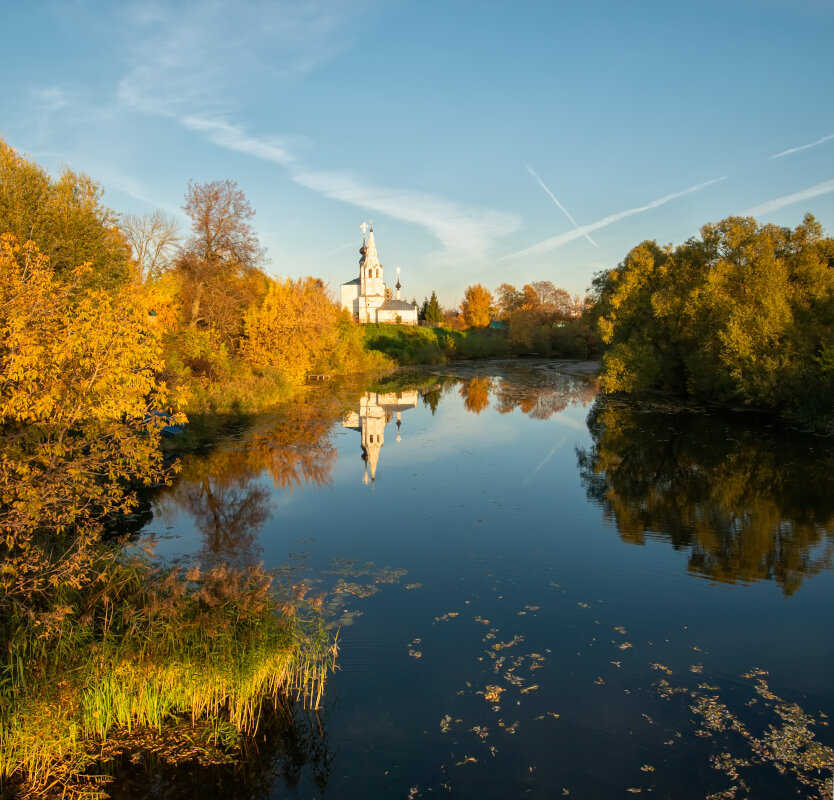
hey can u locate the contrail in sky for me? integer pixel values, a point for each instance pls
(789, 199)
(563, 238)
(556, 200)
(803, 147)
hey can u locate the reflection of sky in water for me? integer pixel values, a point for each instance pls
(488, 513)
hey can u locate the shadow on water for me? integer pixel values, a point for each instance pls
(749, 502)
(290, 747)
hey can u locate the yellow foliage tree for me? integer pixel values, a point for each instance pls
(293, 330)
(76, 425)
(477, 306)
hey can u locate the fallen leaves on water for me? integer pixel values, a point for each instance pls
(492, 693)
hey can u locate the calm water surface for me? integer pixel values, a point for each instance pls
(537, 593)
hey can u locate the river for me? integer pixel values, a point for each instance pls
(537, 592)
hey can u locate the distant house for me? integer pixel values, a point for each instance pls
(367, 298)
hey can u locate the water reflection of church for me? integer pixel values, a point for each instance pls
(375, 412)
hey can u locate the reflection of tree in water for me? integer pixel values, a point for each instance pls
(541, 394)
(475, 394)
(220, 490)
(750, 502)
(291, 745)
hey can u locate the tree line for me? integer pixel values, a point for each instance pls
(741, 315)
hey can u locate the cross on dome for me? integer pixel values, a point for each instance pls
(364, 227)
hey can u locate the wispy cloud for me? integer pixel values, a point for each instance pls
(202, 55)
(232, 137)
(465, 232)
(562, 239)
(803, 147)
(193, 66)
(826, 187)
(561, 207)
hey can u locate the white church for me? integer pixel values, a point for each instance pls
(367, 297)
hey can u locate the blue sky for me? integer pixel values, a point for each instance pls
(488, 141)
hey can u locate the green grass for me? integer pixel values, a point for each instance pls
(422, 345)
(149, 650)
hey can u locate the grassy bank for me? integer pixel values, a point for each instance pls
(422, 345)
(185, 658)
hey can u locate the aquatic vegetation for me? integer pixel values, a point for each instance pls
(190, 657)
(785, 740)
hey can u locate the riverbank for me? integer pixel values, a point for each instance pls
(151, 660)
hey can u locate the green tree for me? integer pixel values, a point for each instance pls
(65, 219)
(743, 314)
(433, 312)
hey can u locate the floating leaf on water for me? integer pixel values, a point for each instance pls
(355, 589)
(413, 585)
(482, 620)
(661, 668)
(532, 608)
(620, 629)
(467, 760)
(480, 730)
(583, 605)
(617, 664)
(447, 616)
(599, 682)
(624, 646)
(492, 693)
(756, 672)
(634, 790)
(553, 714)
(696, 668)
(445, 724)
(647, 768)
(532, 688)
(648, 719)
(502, 645)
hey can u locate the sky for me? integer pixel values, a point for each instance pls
(488, 141)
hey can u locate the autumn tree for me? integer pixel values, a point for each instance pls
(744, 313)
(477, 306)
(219, 266)
(222, 231)
(66, 220)
(153, 239)
(293, 329)
(77, 426)
(508, 299)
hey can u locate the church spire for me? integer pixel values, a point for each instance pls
(371, 257)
